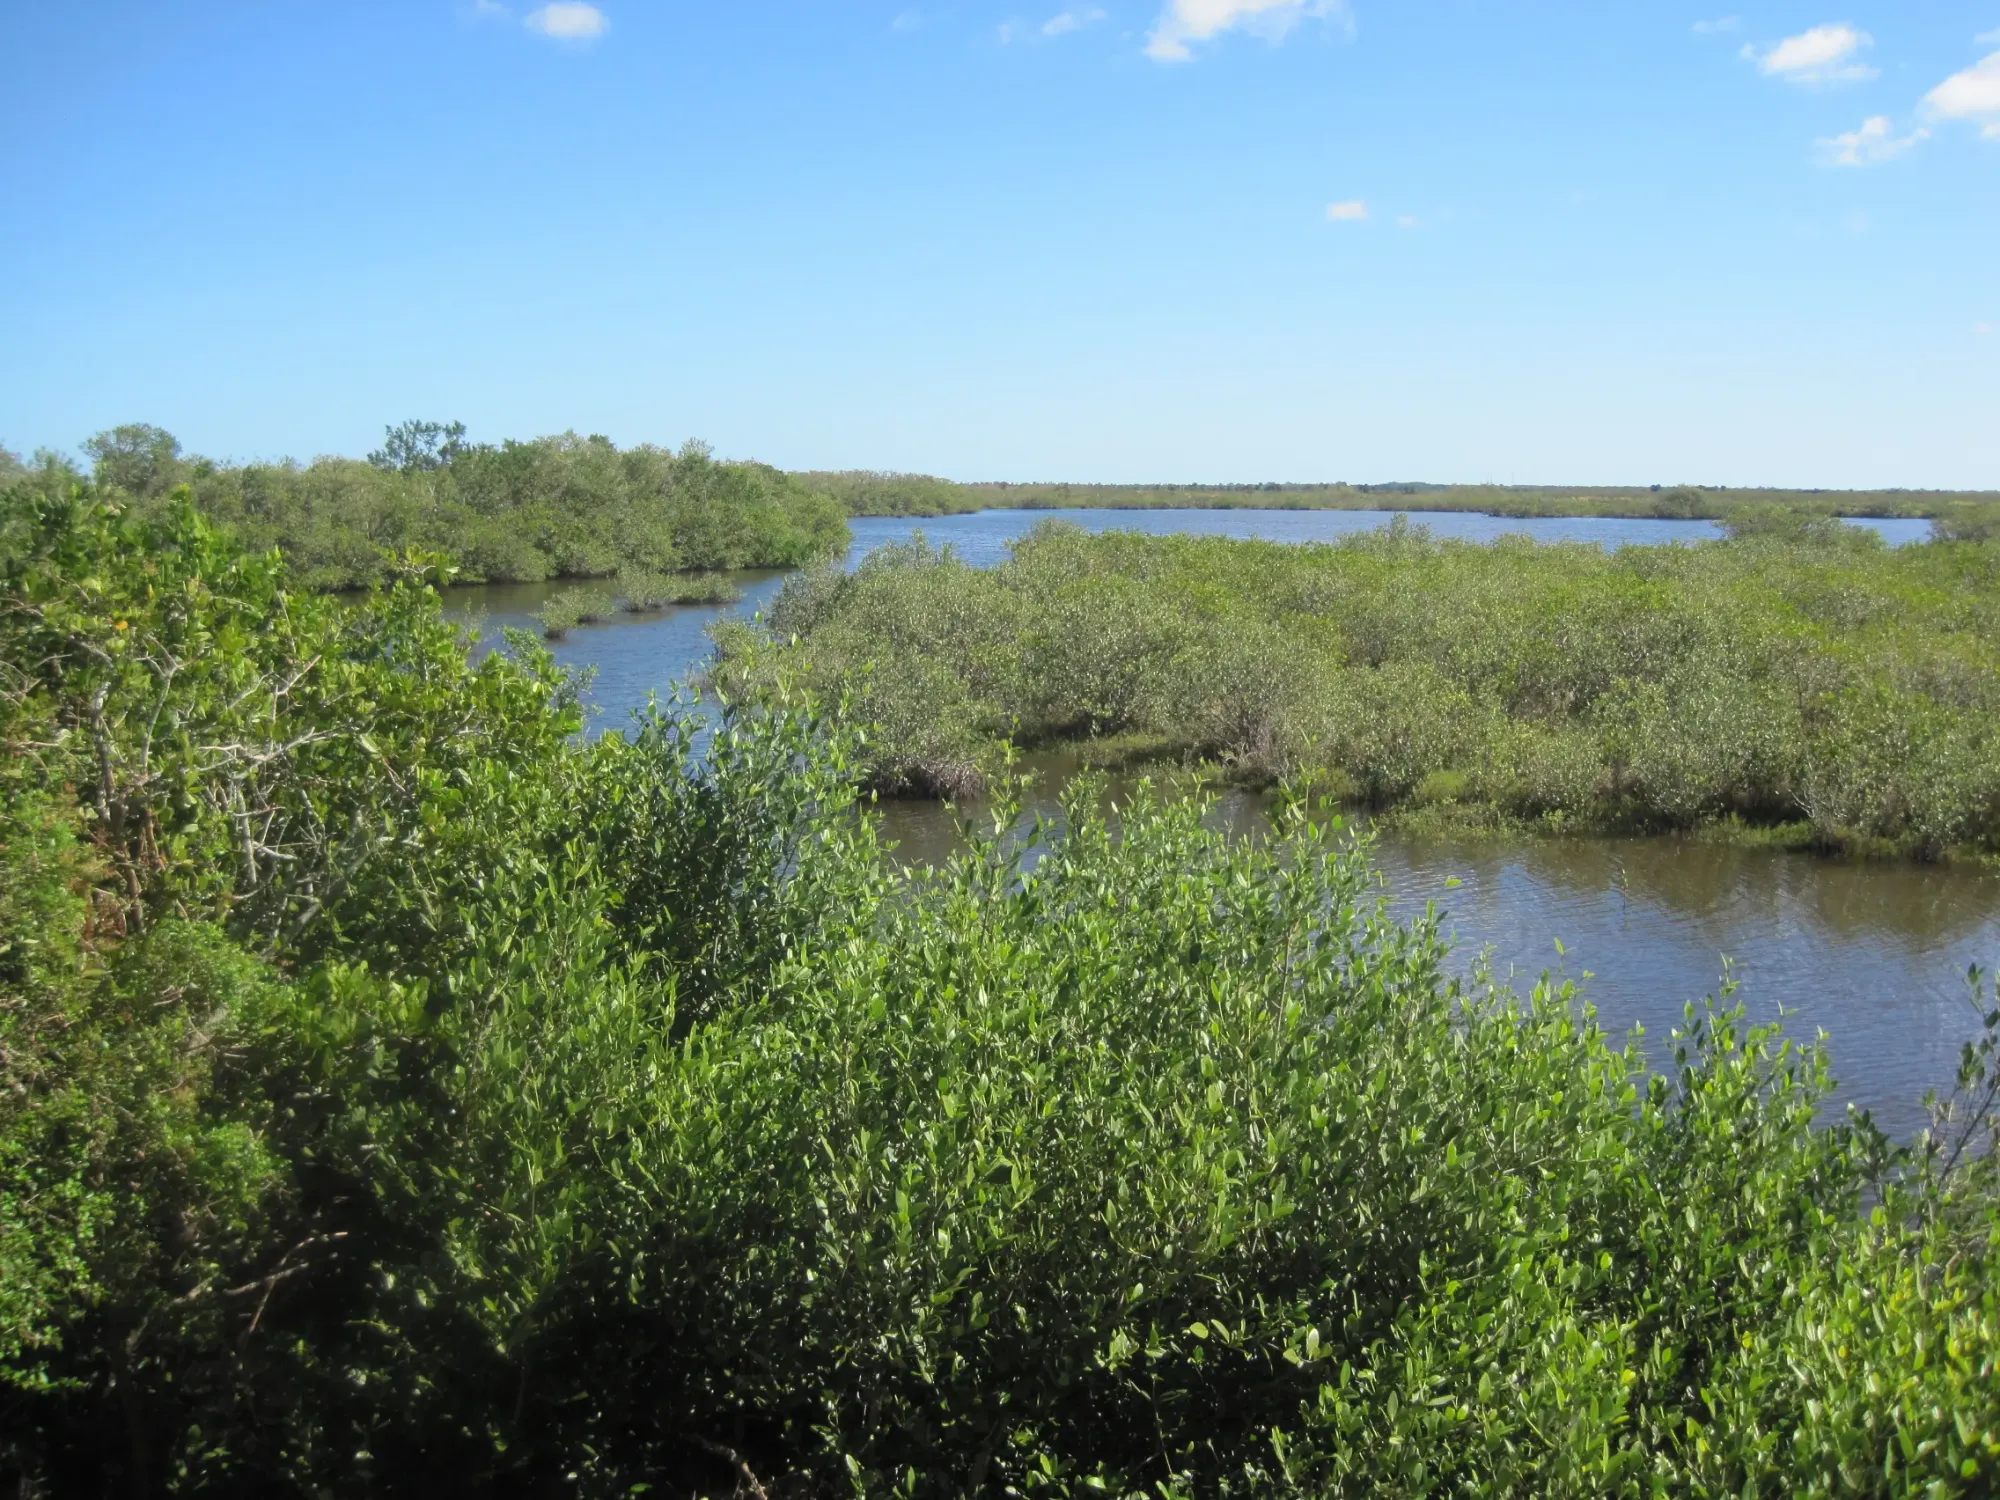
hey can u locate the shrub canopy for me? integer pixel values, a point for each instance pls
(557, 507)
(1802, 673)
(405, 1095)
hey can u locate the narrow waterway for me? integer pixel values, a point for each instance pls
(1874, 955)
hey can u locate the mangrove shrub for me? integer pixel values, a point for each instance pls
(401, 1093)
(1799, 673)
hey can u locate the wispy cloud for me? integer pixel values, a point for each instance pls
(1348, 211)
(1720, 26)
(484, 10)
(907, 20)
(1825, 54)
(1071, 20)
(569, 21)
(1971, 95)
(1060, 24)
(1987, 38)
(1875, 141)
(1406, 221)
(1185, 22)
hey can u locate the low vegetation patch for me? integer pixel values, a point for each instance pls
(1799, 672)
(641, 590)
(574, 607)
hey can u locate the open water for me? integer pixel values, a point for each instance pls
(1875, 955)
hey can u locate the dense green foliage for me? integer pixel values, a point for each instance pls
(558, 507)
(867, 493)
(406, 1095)
(1801, 673)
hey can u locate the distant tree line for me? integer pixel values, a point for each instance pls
(571, 507)
(875, 493)
(553, 507)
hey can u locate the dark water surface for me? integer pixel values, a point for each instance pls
(1873, 954)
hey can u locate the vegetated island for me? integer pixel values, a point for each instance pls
(1799, 681)
(401, 1093)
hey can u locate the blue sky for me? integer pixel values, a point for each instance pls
(1166, 240)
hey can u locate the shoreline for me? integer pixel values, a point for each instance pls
(1443, 819)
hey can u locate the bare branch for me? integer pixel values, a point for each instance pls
(746, 1479)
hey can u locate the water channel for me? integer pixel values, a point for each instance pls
(1873, 954)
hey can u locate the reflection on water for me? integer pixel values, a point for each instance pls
(634, 655)
(982, 537)
(1875, 955)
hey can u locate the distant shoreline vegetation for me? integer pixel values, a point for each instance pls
(513, 512)
(570, 507)
(1798, 682)
(869, 493)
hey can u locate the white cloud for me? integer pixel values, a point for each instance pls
(1718, 26)
(569, 21)
(1825, 54)
(1071, 20)
(1971, 95)
(1406, 221)
(484, 10)
(1875, 141)
(1984, 330)
(1347, 211)
(1185, 21)
(1987, 38)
